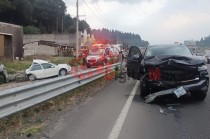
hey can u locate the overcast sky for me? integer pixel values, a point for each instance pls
(157, 21)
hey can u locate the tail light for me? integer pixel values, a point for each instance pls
(154, 74)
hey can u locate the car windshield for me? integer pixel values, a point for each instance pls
(168, 50)
(96, 51)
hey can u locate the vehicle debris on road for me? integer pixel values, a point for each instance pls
(162, 111)
(178, 92)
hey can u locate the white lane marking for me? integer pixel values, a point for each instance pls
(120, 120)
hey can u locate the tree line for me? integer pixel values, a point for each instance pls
(204, 42)
(39, 16)
(49, 16)
(114, 36)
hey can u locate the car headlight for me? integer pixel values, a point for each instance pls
(202, 68)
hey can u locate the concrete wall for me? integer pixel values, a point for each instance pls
(1, 45)
(35, 49)
(16, 48)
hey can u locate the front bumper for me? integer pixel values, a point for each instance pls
(96, 62)
(201, 85)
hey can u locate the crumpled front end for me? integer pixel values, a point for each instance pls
(166, 75)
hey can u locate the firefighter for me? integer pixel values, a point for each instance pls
(84, 56)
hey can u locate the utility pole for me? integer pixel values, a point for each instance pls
(62, 25)
(77, 31)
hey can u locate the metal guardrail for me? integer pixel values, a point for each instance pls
(17, 99)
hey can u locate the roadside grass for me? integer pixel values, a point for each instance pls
(60, 60)
(33, 121)
(75, 61)
(13, 67)
(32, 130)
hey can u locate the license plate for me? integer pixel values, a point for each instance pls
(179, 92)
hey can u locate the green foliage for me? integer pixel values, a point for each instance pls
(5, 5)
(47, 15)
(60, 60)
(13, 67)
(31, 30)
(75, 62)
(204, 42)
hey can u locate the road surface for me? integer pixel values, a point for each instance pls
(117, 111)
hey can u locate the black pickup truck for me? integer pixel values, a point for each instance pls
(163, 69)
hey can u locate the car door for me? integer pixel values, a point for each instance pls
(37, 71)
(49, 70)
(133, 62)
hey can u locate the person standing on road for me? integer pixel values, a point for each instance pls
(84, 56)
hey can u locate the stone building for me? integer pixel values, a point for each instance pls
(11, 41)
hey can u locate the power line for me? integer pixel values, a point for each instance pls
(98, 17)
(104, 15)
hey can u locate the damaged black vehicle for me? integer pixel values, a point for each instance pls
(168, 70)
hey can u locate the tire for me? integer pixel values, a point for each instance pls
(63, 72)
(31, 77)
(144, 91)
(201, 95)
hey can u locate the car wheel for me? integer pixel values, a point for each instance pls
(31, 77)
(144, 91)
(201, 95)
(63, 72)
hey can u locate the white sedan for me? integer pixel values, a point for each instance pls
(42, 69)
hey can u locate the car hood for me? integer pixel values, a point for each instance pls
(168, 59)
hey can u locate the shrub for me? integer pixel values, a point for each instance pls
(31, 30)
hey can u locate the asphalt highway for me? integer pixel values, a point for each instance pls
(117, 111)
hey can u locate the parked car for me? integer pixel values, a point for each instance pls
(96, 57)
(165, 68)
(3, 74)
(42, 69)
